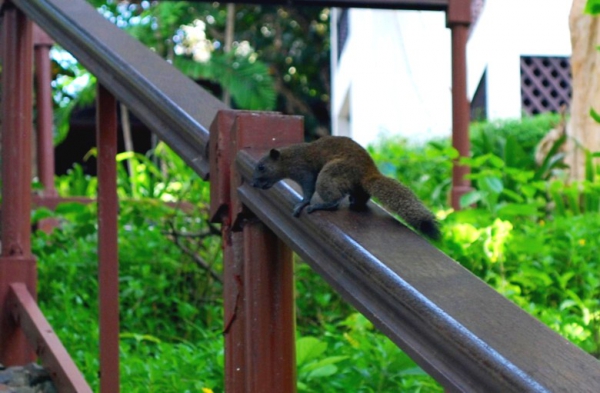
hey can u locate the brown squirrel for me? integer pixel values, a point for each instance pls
(336, 166)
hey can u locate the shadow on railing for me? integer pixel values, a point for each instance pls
(456, 327)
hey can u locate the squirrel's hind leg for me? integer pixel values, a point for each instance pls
(358, 199)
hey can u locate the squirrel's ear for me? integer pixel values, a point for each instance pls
(274, 154)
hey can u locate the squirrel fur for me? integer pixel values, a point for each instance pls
(336, 166)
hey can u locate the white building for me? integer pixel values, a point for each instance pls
(391, 70)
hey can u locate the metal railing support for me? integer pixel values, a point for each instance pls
(17, 265)
(270, 326)
(45, 119)
(108, 262)
(65, 375)
(259, 308)
(458, 19)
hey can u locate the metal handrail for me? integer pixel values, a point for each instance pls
(455, 326)
(418, 5)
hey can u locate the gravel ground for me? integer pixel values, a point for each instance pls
(31, 378)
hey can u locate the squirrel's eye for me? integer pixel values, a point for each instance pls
(261, 167)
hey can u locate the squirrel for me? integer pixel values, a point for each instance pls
(336, 166)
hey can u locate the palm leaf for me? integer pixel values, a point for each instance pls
(248, 81)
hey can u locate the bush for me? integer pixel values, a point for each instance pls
(171, 312)
(171, 309)
(492, 137)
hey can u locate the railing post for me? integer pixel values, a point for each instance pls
(259, 307)
(233, 262)
(108, 262)
(16, 262)
(458, 19)
(45, 120)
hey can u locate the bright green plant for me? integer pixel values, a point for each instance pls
(503, 190)
(514, 141)
(592, 7)
(528, 234)
(353, 357)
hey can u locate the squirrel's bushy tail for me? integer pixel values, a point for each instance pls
(401, 200)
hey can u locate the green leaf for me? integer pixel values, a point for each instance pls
(248, 80)
(40, 214)
(552, 159)
(595, 115)
(589, 166)
(517, 209)
(592, 7)
(514, 155)
(513, 195)
(325, 362)
(491, 183)
(470, 198)
(324, 371)
(308, 348)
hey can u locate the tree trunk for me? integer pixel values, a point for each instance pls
(583, 131)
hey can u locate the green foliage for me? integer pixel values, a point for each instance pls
(549, 268)
(524, 231)
(544, 259)
(163, 293)
(429, 166)
(72, 87)
(365, 361)
(76, 183)
(170, 308)
(287, 68)
(595, 115)
(592, 7)
(512, 140)
(246, 79)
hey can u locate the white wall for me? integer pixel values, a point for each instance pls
(507, 30)
(394, 75)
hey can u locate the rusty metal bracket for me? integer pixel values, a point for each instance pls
(64, 373)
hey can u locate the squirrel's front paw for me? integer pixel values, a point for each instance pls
(298, 209)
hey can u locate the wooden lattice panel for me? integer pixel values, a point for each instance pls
(545, 84)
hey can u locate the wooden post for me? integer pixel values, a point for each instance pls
(17, 265)
(108, 262)
(259, 307)
(458, 20)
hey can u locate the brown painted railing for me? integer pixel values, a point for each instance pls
(456, 327)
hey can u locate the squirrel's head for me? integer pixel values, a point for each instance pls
(268, 170)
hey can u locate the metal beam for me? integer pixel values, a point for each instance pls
(54, 356)
(16, 262)
(422, 5)
(108, 256)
